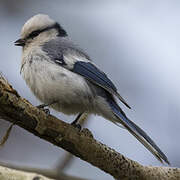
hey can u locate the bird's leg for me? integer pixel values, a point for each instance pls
(42, 107)
(75, 122)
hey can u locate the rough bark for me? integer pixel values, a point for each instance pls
(19, 111)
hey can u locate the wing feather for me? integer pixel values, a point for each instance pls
(64, 53)
(93, 74)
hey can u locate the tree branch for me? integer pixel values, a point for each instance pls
(15, 109)
(9, 174)
(27, 173)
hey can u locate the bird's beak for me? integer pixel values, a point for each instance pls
(19, 42)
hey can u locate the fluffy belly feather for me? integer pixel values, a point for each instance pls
(50, 82)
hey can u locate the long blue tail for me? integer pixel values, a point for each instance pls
(137, 132)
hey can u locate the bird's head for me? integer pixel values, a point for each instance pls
(39, 29)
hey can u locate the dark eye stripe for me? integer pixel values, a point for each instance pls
(61, 31)
(34, 34)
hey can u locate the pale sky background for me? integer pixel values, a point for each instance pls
(137, 43)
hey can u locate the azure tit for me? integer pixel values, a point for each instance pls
(63, 76)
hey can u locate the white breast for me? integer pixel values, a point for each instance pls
(51, 82)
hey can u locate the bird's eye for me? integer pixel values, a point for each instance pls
(34, 34)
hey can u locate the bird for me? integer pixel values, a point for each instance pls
(63, 76)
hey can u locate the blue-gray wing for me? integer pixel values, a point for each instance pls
(93, 74)
(63, 52)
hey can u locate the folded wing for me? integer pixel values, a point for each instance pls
(93, 74)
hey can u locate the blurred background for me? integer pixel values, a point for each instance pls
(136, 43)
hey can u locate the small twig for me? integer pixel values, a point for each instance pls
(6, 136)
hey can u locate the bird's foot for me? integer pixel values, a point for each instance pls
(42, 107)
(47, 111)
(77, 126)
(75, 122)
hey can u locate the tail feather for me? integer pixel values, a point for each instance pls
(137, 132)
